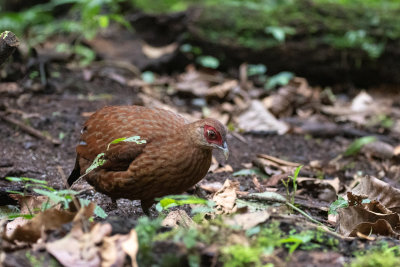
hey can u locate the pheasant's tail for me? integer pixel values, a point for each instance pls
(75, 174)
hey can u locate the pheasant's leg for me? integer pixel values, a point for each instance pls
(146, 205)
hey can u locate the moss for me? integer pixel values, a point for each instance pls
(380, 256)
(342, 25)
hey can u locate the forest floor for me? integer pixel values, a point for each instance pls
(312, 132)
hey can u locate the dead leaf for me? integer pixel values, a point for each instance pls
(248, 220)
(379, 150)
(211, 187)
(79, 249)
(157, 52)
(225, 198)
(357, 219)
(376, 189)
(30, 230)
(115, 248)
(221, 90)
(226, 168)
(257, 118)
(177, 218)
(10, 89)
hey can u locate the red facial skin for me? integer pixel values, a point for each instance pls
(212, 139)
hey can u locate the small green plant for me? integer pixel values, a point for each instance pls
(381, 256)
(356, 146)
(280, 79)
(290, 195)
(54, 197)
(208, 62)
(338, 204)
(99, 160)
(146, 230)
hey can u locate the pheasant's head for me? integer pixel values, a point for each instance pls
(209, 133)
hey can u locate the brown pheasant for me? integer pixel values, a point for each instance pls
(176, 155)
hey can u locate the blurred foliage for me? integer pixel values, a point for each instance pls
(258, 24)
(81, 17)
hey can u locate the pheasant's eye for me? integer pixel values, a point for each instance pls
(211, 135)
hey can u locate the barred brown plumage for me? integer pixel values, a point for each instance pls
(176, 155)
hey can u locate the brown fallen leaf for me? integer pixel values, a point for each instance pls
(115, 248)
(177, 218)
(80, 249)
(376, 189)
(356, 219)
(157, 52)
(225, 198)
(30, 230)
(257, 118)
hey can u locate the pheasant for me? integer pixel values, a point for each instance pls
(174, 155)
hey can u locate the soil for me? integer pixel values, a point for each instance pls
(60, 110)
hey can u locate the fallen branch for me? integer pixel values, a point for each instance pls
(30, 130)
(8, 43)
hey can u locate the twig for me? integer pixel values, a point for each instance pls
(29, 129)
(8, 43)
(306, 215)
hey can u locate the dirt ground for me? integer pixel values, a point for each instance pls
(60, 110)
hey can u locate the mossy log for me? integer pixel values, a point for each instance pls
(326, 42)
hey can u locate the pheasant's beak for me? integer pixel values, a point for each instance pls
(225, 149)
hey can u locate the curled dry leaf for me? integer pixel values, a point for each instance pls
(225, 198)
(177, 218)
(376, 189)
(378, 215)
(115, 248)
(211, 187)
(257, 118)
(157, 52)
(31, 230)
(379, 150)
(273, 165)
(79, 249)
(357, 219)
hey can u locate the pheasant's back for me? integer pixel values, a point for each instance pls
(115, 122)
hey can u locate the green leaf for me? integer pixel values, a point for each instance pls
(103, 20)
(134, 139)
(98, 161)
(148, 77)
(25, 216)
(282, 78)
(258, 69)
(356, 146)
(338, 204)
(98, 211)
(51, 195)
(179, 200)
(25, 179)
(208, 62)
